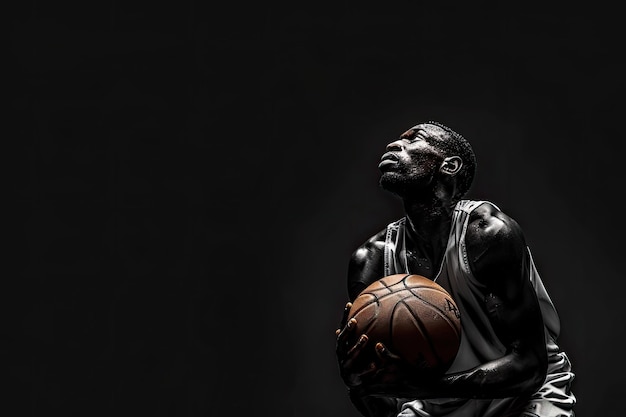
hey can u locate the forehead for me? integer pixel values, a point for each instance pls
(426, 131)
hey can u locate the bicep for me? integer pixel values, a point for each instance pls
(499, 259)
(516, 316)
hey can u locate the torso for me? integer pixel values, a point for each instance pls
(390, 251)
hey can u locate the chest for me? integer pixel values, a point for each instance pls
(420, 262)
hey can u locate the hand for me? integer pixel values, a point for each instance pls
(352, 364)
(392, 376)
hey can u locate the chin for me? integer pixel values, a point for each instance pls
(392, 182)
(403, 186)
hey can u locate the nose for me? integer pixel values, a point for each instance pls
(396, 145)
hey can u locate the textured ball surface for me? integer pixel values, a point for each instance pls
(413, 316)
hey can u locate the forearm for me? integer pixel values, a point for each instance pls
(510, 375)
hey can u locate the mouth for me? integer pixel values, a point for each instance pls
(388, 159)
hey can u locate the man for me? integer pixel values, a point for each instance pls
(508, 363)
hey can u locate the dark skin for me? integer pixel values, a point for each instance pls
(425, 177)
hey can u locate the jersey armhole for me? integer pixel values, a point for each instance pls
(465, 266)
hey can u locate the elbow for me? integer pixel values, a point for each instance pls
(535, 382)
(536, 374)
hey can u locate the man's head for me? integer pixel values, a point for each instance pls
(426, 157)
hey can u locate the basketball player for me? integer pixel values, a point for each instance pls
(508, 363)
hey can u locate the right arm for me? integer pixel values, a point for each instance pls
(365, 267)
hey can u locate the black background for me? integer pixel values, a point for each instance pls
(192, 178)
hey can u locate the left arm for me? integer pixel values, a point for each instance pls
(499, 259)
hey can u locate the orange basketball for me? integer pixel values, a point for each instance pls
(413, 316)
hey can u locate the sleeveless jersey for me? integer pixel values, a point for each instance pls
(479, 343)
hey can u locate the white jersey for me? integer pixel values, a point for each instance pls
(479, 343)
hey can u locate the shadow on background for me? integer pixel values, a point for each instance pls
(193, 180)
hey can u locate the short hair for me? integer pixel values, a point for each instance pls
(457, 145)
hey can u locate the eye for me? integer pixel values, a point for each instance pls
(411, 136)
(415, 138)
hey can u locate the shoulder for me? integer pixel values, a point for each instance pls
(495, 243)
(488, 223)
(366, 264)
(370, 250)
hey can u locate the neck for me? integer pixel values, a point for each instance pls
(429, 220)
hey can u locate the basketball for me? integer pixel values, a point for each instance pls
(413, 316)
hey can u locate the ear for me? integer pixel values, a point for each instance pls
(451, 165)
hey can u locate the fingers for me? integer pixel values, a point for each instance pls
(349, 327)
(351, 356)
(344, 337)
(351, 364)
(347, 350)
(381, 350)
(346, 309)
(344, 318)
(358, 345)
(346, 314)
(384, 353)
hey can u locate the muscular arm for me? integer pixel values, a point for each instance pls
(366, 265)
(499, 258)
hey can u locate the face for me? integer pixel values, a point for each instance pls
(412, 162)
